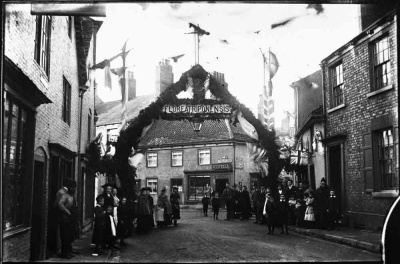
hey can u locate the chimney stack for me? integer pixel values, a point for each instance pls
(164, 76)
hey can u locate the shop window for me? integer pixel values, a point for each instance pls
(205, 157)
(336, 73)
(198, 186)
(152, 159)
(42, 42)
(177, 158)
(381, 63)
(16, 129)
(153, 184)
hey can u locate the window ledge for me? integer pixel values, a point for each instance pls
(385, 194)
(382, 90)
(13, 232)
(336, 108)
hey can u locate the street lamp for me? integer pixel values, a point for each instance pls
(197, 123)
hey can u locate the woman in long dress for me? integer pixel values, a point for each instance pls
(164, 203)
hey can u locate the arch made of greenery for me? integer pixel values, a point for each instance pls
(129, 138)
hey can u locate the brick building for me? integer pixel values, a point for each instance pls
(361, 108)
(194, 161)
(308, 120)
(48, 122)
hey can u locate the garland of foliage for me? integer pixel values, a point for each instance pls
(129, 137)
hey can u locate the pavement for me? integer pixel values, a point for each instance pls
(357, 238)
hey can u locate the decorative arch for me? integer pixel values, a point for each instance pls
(129, 137)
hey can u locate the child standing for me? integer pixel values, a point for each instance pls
(282, 207)
(123, 221)
(216, 203)
(99, 225)
(110, 231)
(332, 210)
(309, 216)
(205, 201)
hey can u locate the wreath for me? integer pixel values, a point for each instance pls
(129, 137)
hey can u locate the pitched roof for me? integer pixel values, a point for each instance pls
(111, 112)
(178, 132)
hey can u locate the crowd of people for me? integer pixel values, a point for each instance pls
(116, 218)
(288, 205)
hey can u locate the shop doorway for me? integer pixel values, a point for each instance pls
(220, 185)
(198, 186)
(37, 213)
(335, 170)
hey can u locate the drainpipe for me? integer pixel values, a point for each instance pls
(322, 65)
(82, 90)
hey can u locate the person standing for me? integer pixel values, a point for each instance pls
(245, 204)
(99, 225)
(143, 212)
(123, 221)
(321, 198)
(279, 192)
(282, 207)
(270, 211)
(174, 199)
(164, 203)
(114, 193)
(227, 195)
(216, 203)
(291, 190)
(65, 203)
(151, 216)
(332, 209)
(255, 201)
(107, 194)
(205, 201)
(261, 198)
(309, 217)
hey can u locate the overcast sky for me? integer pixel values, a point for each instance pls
(157, 31)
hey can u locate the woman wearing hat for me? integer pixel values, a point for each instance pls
(143, 212)
(175, 198)
(108, 198)
(164, 203)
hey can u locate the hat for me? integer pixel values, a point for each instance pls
(69, 183)
(164, 189)
(323, 180)
(143, 189)
(106, 185)
(149, 189)
(175, 188)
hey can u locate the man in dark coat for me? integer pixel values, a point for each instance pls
(321, 197)
(108, 198)
(235, 196)
(291, 190)
(151, 202)
(143, 212)
(245, 204)
(205, 201)
(255, 200)
(261, 201)
(283, 207)
(227, 195)
(174, 199)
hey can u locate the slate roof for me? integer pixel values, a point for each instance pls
(110, 112)
(177, 132)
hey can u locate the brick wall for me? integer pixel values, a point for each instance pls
(354, 120)
(19, 46)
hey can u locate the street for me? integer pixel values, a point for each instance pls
(201, 239)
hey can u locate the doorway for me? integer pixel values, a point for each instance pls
(335, 170)
(37, 212)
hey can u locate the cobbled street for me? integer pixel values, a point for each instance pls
(201, 239)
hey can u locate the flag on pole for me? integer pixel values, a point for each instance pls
(273, 65)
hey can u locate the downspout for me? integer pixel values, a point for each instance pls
(228, 125)
(322, 65)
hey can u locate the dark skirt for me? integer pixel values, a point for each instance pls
(176, 212)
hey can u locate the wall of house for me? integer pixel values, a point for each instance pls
(20, 28)
(356, 118)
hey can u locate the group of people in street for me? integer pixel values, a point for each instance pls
(116, 216)
(292, 205)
